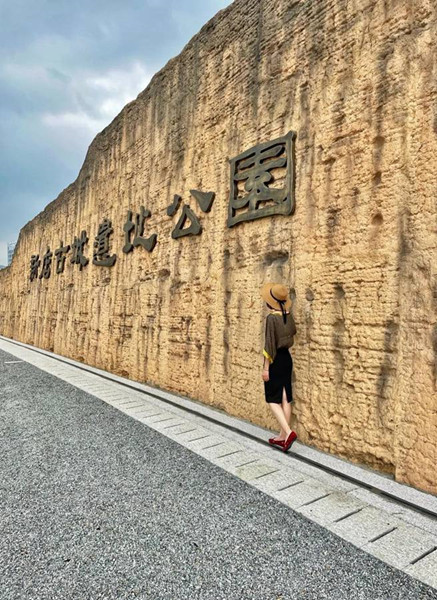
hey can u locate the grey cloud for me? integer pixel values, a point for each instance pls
(66, 69)
(56, 74)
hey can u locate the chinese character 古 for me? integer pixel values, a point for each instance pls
(60, 254)
(262, 181)
(101, 256)
(138, 227)
(46, 265)
(77, 247)
(34, 266)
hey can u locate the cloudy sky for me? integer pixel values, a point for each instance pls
(67, 67)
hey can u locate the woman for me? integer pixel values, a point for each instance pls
(278, 364)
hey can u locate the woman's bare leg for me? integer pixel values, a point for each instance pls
(286, 406)
(278, 411)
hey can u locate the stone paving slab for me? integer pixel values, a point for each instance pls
(236, 459)
(174, 431)
(171, 425)
(203, 442)
(157, 421)
(139, 409)
(198, 432)
(365, 525)
(402, 546)
(125, 402)
(303, 493)
(105, 394)
(143, 411)
(425, 569)
(278, 480)
(332, 507)
(399, 511)
(230, 450)
(131, 404)
(254, 471)
(216, 450)
(145, 418)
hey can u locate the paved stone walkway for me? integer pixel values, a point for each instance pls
(96, 504)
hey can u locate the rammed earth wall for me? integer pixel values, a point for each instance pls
(357, 82)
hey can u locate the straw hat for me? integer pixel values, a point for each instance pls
(276, 295)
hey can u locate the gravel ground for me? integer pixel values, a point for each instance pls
(94, 505)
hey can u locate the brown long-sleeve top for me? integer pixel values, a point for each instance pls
(278, 334)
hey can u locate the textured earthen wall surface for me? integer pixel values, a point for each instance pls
(357, 81)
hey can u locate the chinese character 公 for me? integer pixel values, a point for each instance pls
(204, 199)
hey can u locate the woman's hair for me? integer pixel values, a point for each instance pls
(284, 314)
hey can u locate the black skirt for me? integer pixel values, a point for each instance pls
(279, 377)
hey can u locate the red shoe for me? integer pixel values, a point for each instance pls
(289, 440)
(275, 442)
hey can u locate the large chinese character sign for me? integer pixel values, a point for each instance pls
(262, 185)
(262, 181)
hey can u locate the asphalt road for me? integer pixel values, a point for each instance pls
(94, 505)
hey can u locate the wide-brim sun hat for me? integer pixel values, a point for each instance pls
(275, 294)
